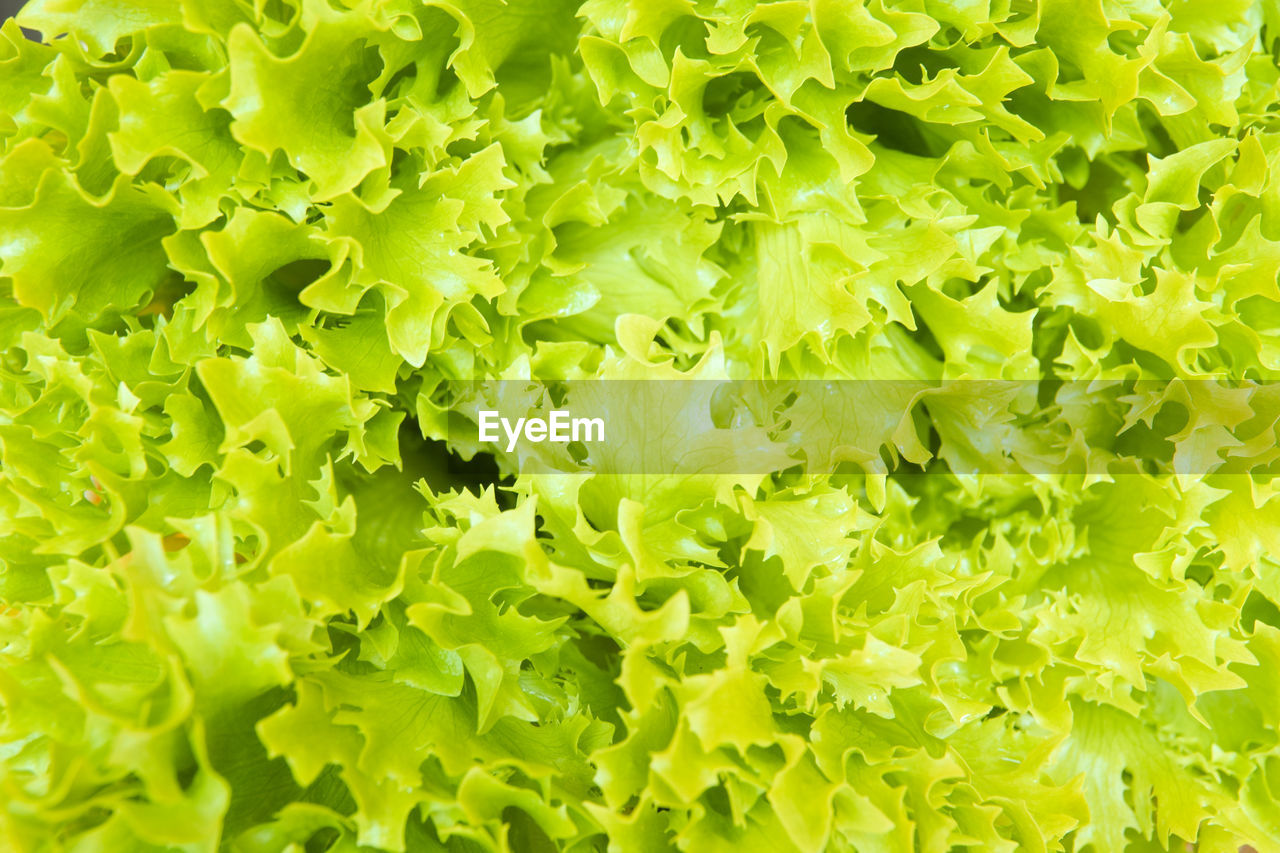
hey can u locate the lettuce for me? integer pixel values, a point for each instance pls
(259, 261)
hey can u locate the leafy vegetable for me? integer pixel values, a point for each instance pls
(259, 258)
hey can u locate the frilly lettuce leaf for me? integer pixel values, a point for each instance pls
(256, 258)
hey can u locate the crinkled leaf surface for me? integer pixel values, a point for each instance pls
(255, 598)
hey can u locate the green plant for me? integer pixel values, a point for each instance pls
(250, 252)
